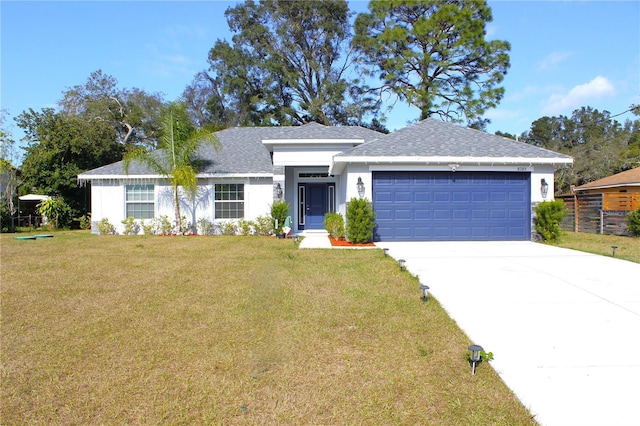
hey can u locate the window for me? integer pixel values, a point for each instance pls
(139, 201)
(229, 201)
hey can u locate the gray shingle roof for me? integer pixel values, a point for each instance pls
(242, 151)
(435, 138)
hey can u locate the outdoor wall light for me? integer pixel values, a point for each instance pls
(360, 185)
(386, 252)
(403, 264)
(544, 188)
(424, 292)
(474, 357)
(279, 191)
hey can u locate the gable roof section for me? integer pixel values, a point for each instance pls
(433, 141)
(241, 153)
(627, 178)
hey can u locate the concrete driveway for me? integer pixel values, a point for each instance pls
(564, 326)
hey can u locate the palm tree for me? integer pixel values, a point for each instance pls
(174, 157)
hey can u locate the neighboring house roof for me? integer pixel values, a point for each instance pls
(626, 178)
(433, 141)
(241, 152)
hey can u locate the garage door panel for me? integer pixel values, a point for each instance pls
(404, 214)
(452, 206)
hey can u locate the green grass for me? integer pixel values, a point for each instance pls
(229, 330)
(628, 248)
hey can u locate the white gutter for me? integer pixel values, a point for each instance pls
(85, 177)
(339, 162)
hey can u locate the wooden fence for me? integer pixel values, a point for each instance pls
(603, 213)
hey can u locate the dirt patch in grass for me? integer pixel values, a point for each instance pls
(229, 330)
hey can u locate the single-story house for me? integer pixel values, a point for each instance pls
(601, 206)
(627, 182)
(429, 181)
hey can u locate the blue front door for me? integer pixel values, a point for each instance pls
(316, 205)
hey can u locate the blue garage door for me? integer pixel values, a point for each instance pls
(452, 206)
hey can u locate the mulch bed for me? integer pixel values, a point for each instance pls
(344, 243)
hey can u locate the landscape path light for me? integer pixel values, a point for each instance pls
(474, 357)
(403, 264)
(613, 250)
(424, 292)
(386, 252)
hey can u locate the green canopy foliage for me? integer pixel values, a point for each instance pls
(600, 145)
(287, 64)
(61, 146)
(434, 54)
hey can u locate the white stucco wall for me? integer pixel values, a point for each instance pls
(108, 200)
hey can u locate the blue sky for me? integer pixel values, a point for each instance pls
(564, 55)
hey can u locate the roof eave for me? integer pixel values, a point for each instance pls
(88, 177)
(613, 185)
(340, 161)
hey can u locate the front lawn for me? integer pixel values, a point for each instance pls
(229, 330)
(627, 248)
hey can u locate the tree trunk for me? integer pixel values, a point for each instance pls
(176, 202)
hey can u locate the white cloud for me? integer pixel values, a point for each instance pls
(552, 59)
(579, 96)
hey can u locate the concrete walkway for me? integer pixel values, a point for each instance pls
(564, 326)
(315, 239)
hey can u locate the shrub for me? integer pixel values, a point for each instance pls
(245, 227)
(148, 228)
(186, 227)
(263, 225)
(131, 227)
(633, 222)
(361, 219)
(85, 221)
(548, 217)
(55, 210)
(5, 216)
(228, 227)
(334, 225)
(205, 227)
(105, 227)
(164, 225)
(279, 213)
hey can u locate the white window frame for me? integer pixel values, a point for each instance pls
(223, 213)
(139, 195)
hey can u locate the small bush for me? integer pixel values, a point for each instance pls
(105, 227)
(55, 210)
(361, 219)
(245, 227)
(205, 227)
(279, 213)
(334, 225)
(5, 216)
(228, 227)
(263, 225)
(85, 221)
(548, 217)
(148, 228)
(163, 225)
(186, 227)
(131, 227)
(633, 222)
